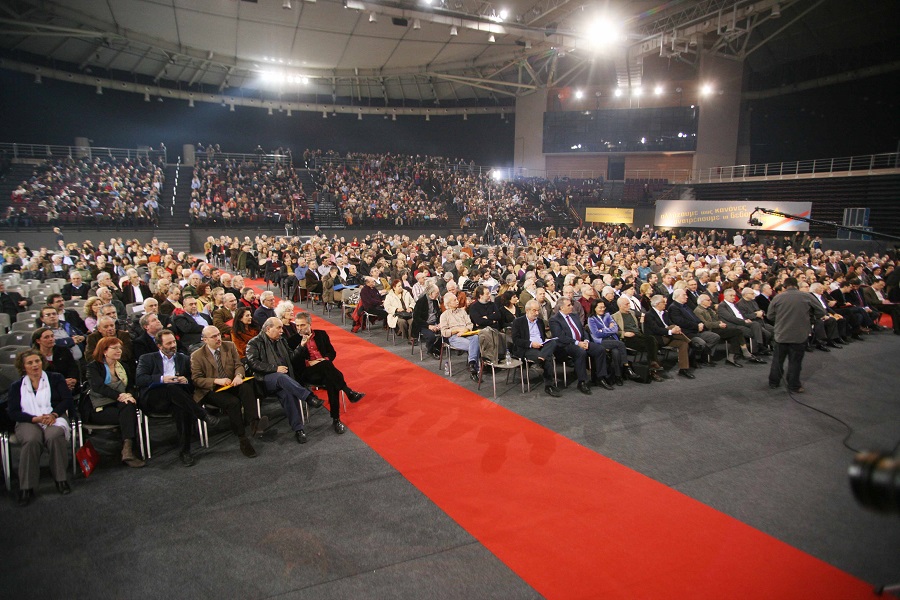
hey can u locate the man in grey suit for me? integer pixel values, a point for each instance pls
(793, 313)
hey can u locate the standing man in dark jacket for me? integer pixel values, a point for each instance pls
(12, 303)
(793, 313)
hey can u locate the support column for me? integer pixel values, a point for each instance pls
(187, 152)
(82, 147)
(720, 113)
(528, 154)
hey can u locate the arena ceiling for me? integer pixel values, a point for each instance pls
(448, 53)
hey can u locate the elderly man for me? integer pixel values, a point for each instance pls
(371, 301)
(426, 317)
(832, 328)
(529, 342)
(658, 324)
(455, 321)
(575, 342)
(106, 327)
(107, 297)
(188, 326)
(631, 332)
(751, 309)
(223, 318)
(731, 314)
(163, 381)
(216, 365)
(266, 308)
(314, 364)
(577, 309)
(135, 290)
(76, 288)
(703, 340)
(271, 359)
(736, 344)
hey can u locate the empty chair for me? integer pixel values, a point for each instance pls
(15, 338)
(28, 315)
(23, 326)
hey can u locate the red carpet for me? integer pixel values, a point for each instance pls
(570, 522)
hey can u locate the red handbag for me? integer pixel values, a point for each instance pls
(88, 459)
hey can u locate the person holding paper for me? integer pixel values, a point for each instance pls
(455, 321)
(218, 376)
(529, 342)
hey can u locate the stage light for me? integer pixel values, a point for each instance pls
(231, 108)
(706, 90)
(359, 117)
(99, 90)
(618, 93)
(289, 113)
(492, 39)
(496, 175)
(286, 5)
(427, 117)
(270, 110)
(579, 94)
(454, 31)
(417, 24)
(637, 92)
(190, 103)
(373, 18)
(602, 33)
(324, 114)
(394, 117)
(146, 96)
(658, 90)
(503, 14)
(465, 116)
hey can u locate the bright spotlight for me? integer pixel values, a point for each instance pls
(503, 14)
(603, 33)
(579, 94)
(658, 90)
(706, 90)
(496, 175)
(637, 92)
(618, 93)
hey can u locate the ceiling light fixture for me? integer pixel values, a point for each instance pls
(417, 24)
(492, 39)
(453, 31)
(373, 18)
(286, 5)
(190, 103)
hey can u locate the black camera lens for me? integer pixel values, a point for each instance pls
(875, 481)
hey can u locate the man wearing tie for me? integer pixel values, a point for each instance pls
(214, 365)
(572, 340)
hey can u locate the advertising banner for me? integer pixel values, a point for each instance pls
(609, 215)
(730, 215)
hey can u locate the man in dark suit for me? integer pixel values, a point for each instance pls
(214, 365)
(188, 326)
(145, 341)
(172, 302)
(702, 340)
(66, 315)
(12, 303)
(76, 288)
(135, 290)
(313, 364)
(729, 313)
(529, 342)
(874, 297)
(792, 311)
(572, 341)
(657, 324)
(164, 382)
(426, 315)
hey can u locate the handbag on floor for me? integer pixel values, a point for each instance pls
(88, 459)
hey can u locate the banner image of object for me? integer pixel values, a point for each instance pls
(730, 215)
(609, 215)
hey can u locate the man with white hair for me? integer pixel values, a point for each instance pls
(659, 325)
(266, 308)
(702, 340)
(270, 358)
(455, 321)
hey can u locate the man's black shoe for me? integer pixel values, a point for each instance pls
(339, 427)
(25, 497)
(552, 390)
(605, 384)
(186, 459)
(584, 388)
(686, 373)
(809, 349)
(301, 436)
(355, 396)
(435, 355)
(620, 381)
(314, 401)
(735, 363)
(212, 420)
(63, 487)
(832, 344)
(756, 359)
(774, 386)
(822, 347)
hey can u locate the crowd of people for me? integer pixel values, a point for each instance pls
(233, 192)
(622, 292)
(171, 335)
(90, 191)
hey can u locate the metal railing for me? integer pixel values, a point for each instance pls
(50, 151)
(804, 169)
(239, 157)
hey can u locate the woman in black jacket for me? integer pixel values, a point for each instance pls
(111, 399)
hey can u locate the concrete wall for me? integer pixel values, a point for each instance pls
(717, 132)
(528, 150)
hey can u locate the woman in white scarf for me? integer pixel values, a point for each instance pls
(37, 404)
